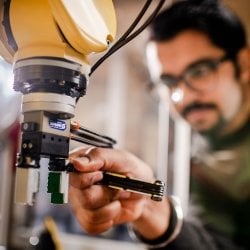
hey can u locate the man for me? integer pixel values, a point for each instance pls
(205, 63)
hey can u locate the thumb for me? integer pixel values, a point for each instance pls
(85, 164)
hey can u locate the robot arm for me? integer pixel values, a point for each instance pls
(48, 41)
(56, 28)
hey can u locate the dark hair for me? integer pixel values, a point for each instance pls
(211, 17)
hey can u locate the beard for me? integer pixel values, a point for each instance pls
(215, 129)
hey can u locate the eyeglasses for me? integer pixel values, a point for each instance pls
(199, 76)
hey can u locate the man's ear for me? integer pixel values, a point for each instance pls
(243, 60)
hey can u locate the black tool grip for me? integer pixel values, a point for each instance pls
(118, 181)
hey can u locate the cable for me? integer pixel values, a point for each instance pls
(82, 134)
(138, 31)
(91, 142)
(122, 38)
(125, 38)
(136, 21)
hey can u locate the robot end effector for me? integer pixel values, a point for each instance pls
(48, 42)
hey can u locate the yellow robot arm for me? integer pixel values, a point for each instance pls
(98, 28)
(48, 42)
(69, 29)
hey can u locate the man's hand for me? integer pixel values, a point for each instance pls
(98, 207)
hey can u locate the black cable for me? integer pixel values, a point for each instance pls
(84, 135)
(134, 24)
(96, 138)
(91, 142)
(123, 37)
(92, 133)
(139, 30)
(127, 39)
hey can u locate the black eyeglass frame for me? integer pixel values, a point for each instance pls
(172, 81)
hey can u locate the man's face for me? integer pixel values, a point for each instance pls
(203, 101)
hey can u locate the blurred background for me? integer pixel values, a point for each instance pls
(121, 102)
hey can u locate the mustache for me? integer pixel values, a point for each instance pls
(197, 106)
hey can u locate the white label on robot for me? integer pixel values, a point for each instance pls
(57, 124)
